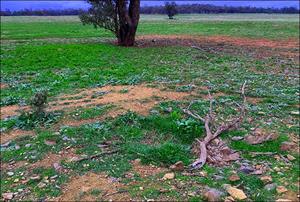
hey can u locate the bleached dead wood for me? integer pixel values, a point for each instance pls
(208, 121)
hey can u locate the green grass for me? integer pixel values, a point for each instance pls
(165, 136)
(231, 25)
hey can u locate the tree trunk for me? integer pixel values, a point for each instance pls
(128, 21)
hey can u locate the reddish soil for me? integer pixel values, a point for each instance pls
(139, 98)
(13, 134)
(188, 40)
(3, 85)
(146, 170)
(79, 189)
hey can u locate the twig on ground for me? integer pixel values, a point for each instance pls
(97, 155)
(209, 120)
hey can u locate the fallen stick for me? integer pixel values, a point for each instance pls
(209, 120)
(96, 155)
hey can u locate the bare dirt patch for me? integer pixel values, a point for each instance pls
(11, 110)
(80, 188)
(139, 99)
(189, 40)
(3, 86)
(146, 170)
(13, 134)
(259, 48)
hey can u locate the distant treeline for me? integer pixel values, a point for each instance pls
(183, 9)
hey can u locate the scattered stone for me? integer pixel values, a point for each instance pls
(285, 146)
(295, 112)
(235, 192)
(257, 172)
(270, 187)
(10, 173)
(281, 189)
(213, 195)
(232, 157)
(246, 169)
(237, 138)
(178, 166)
(234, 178)
(290, 157)
(203, 174)
(8, 196)
(27, 145)
(259, 136)
(50, 142)
(277, 169)
(57, 167)
(266, 179)
(6, 144)
(169, 176)
(41, 185)
(37, 177)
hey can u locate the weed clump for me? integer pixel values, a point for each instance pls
(37, 116)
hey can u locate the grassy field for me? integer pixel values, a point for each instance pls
(131, 100)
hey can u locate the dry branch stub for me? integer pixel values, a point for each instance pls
(209, 121)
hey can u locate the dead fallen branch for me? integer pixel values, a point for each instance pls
(209, 121)
(96, 155)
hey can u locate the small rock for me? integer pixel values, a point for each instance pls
(10, 173)
(57, 166)
(234, 178)
(50, 142)
(169, 176)
(285, 146)
(295, 112)
(290, 157)
(27, 145)
(17, 147)
(137, 161)
(203, 174)
(246, 169)
(213, 195)
(178, 166)
(237, 138)
(141, 188)
(37, 177)
(281, 189)
(41, 185)
(266, 179)
(277, 169)
(192, 194)
(8, 196)
(270, 187)
(53, 177)
(257, 172)
(6, 144)
(16, 180)
(235, 192)
(232, 157)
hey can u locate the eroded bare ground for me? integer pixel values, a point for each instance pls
(80, 187)
(139, 98)
(259, 48)
(13, 134)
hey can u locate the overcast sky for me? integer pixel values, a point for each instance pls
(19, 4)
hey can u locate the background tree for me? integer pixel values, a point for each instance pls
(119, 16)
(171, 9)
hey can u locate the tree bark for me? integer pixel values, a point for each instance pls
(128, 19)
